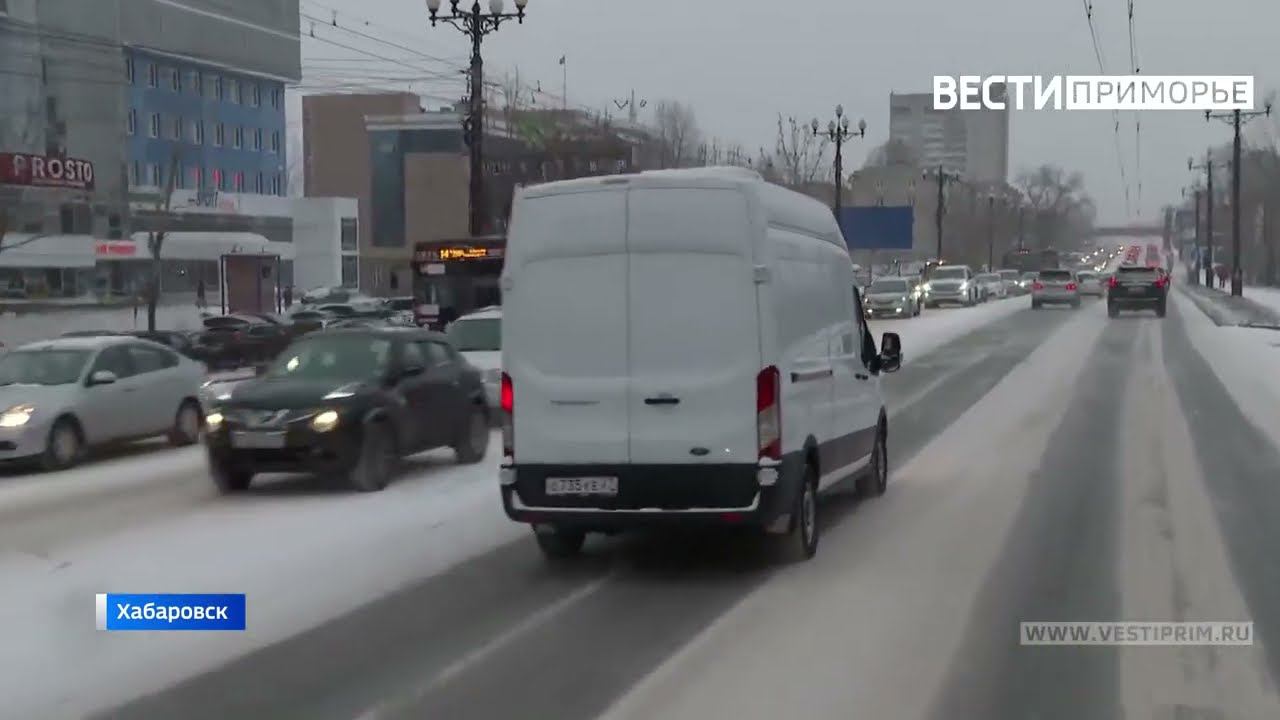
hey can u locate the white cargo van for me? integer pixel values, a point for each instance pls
(683, 345)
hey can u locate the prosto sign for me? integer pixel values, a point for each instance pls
(45, 171)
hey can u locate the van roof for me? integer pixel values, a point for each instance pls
(783, 207)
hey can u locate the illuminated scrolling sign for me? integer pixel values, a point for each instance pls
(461, 252)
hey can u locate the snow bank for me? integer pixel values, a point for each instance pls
(18, 330)
(1246, 361)
(301, 557)
(1268, 297)
(935, 328)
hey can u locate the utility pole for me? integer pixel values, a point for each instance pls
(632, 106)
(1199, 252)
(991, 233)
(1207, 166)
(1235, 118)
(155, 240)
(1022, 211)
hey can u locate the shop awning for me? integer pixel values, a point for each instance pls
(23, 250)
(213, 245)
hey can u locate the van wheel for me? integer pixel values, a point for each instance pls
(64, 447)
(876, 480)
(801, 539)
(377, 461)
(474, 443)
(559, 543)
(186, 424)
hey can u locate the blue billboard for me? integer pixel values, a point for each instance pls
(877, 228)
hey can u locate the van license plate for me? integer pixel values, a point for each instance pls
(606, 486)
(257, 440)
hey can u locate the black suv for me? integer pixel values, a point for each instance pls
(1133, 287)
(351, 402)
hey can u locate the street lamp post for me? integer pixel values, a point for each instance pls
(943, 177)
(991, 232)
(476, 24)
(838, 131)
(1207, 166)
(1236, 118)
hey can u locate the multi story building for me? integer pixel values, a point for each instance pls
(973, 143)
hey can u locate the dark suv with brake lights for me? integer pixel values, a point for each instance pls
(1134, 287)
(350, 402)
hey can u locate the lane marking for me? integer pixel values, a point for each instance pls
(479, 654)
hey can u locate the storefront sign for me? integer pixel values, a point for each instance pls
(461, 252)
(123, 248)
(45, 171)
(214, 200)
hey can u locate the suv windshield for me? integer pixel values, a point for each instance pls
(1055, 274)
(949, 273)
(888, 286)
(476, 334)
(42, 367)
(341, 356)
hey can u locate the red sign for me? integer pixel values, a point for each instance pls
(45, 171)
(123, 248)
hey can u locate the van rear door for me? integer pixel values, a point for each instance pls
(693, 326)
(564, 330)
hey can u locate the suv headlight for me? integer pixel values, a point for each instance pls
(16, 416)
(325, 421)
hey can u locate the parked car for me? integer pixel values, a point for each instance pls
(951, 284)
(339, 310)
(1055, 287)
(306, 321)
(478, 336)
(992, 286)
(891, 297)
(350, 403)
(717, 398)
(233, 341)
(60, 397)
(1091, 283)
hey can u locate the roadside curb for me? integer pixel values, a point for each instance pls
(1228, 310)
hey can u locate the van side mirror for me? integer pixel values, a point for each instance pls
(890, 352)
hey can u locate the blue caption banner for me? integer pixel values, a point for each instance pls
(170, 611)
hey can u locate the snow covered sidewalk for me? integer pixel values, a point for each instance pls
(1224, 309)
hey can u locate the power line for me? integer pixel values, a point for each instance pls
(1115, 116)
(1134, 69)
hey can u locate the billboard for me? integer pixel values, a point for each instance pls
(877, 228)
(45, 171)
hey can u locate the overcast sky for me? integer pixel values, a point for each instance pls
(740, 62)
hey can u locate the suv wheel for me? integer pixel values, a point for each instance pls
(559, 543)
(474, 443)
(377, 460)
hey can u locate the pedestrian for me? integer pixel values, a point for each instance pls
(201, 301)
(1223, 274)
(288, 297)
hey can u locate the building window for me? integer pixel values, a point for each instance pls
(257, 183)
(115, 229)
(153, 130)
(193, 82)
(221, 180)
(180, 179)
(218, 88)
(350, 238)
(209, 83)
(275, 98)
(255, 95)
(197, 132)
(197, 177)
(176, 128)
(153, 75)
(237, 137)
(275, 184)
(128, 69)
(275, 141)
(131, 122)
(153, 174)
(257, 139)
(219, 135)
(233, 94)
(134, 180)
(175, 79)
(350, 271)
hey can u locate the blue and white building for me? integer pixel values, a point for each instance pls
(224, 127)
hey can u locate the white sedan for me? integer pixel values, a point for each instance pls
(478, 337)
(1090, 284)
(60, 397)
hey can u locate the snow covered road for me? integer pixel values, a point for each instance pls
(1048, 465)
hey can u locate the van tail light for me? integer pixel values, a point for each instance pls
(1071, 286)
(769, 413)
(1113, 282)
(1037, 285)
(507, 400)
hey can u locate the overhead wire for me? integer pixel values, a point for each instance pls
(1115, 115)
(1135, 69)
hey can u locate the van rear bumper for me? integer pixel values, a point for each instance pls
(650, 495)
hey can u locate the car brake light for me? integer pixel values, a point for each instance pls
(507, 400)
(1037, 285)
(1162, 281)
(1113, 282)
(769, 413)
(1071, 286)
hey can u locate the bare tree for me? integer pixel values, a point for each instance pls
(1057, 202)
(799, 155)
(678, 134)
(155, 241)
(513, 99)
